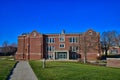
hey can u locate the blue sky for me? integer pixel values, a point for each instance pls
(51, 16)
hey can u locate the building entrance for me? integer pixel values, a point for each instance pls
(59, 55)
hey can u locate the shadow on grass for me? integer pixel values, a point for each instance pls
(11, 72)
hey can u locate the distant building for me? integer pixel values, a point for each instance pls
(63, 46)
(114, 50)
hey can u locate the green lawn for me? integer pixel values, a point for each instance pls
(73, 71)
(5, 67)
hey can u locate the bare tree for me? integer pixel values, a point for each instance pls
(90, 42)
(13, 48)
(109, 39)
(9, 49)
(85, 48)
(118, 40)
(5, 48)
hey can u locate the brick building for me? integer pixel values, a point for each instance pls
(63, 46)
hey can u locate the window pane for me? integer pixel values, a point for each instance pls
(74, 48)
(50, 40)
(50, 48)
(76, 39)
(71, 39)
(62, 45)
(62, 39)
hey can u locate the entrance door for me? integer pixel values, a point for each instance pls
(61, 55)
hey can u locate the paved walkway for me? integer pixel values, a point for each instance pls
(23, 71)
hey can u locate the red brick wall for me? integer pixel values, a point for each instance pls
(90, 56)
(30, 46)
(20, 44)
(19, 54)
(34, 45)
(113, 62)
(66, 42)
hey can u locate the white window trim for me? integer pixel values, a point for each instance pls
(74, 48)
(62, 37)
(60, 44)
(50, 56)
(48, 38)
(75, 41)
(51, 48)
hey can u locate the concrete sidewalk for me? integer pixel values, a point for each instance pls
(23, 71)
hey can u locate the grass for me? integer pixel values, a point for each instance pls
(73, 71)
(5, 66)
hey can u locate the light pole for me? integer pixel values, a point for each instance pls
(44, 62)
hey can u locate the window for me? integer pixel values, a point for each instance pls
(115, 51)
(62, 39)
(62, 45)
(74, 48)
(62, 55)
(50, 56)
(50, 48)
(73, 39)
(50, 40)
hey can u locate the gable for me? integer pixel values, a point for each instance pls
(34, 34)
